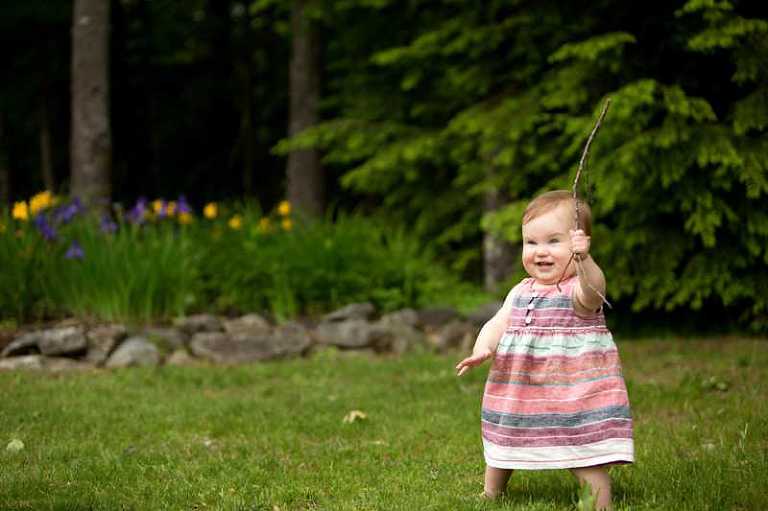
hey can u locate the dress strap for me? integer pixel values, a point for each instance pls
(567, 285)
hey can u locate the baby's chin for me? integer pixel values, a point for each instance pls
(553, 278)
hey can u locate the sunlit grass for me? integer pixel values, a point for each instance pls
(271, 436)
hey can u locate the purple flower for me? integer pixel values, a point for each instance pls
(138, 212)
(75, 251)
(182, 206)
(67, 212)
(46, 229)
(108, 226)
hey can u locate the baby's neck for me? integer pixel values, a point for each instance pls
(537, 284)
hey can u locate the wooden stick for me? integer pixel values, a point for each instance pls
(584, 153)
(574, 189)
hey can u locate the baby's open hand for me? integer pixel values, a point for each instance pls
(579, 243)
(472, 361)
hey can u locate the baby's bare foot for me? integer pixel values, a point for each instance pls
(489, 496)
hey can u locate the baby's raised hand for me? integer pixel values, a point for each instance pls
(579, 243)
(472, 361)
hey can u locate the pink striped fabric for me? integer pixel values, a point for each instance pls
(555, 395)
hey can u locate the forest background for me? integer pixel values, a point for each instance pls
(440, 118)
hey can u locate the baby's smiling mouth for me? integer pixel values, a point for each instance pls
(544, 264)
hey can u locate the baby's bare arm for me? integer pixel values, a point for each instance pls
(488, 338)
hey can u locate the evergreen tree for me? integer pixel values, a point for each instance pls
(678, 172)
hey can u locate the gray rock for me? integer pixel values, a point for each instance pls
(63, 341)
(350, 334)
(291, 339)
(135, 351)
(252, 324)
(191, 325)
(169, 339)
(483, 313)
(365, 353)
(455, 335)
(354, 311)
(389, 334)
(102, 340)
(23, 344)
(236, 349)
(180, 357)
(63, 364)
(403, 317)
(24, 362)
(207, 345)
(434, 318)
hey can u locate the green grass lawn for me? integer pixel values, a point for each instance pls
(271, 436)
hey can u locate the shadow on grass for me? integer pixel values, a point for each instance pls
(535, 493)
(539, 494)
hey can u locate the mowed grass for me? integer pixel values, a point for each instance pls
(271, 436)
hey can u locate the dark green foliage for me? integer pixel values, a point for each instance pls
(503, 95)
(320, 266)
(160, 270)
(20, 284)
(427, 105)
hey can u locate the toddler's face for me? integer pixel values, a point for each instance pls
(547, 245)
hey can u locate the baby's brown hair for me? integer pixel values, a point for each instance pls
(548, 201)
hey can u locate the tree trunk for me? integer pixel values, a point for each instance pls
(499, 256)
(91, 142)
(305, 176)
(5, 173)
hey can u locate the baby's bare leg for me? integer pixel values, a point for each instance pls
(496, 481)
(600, 482)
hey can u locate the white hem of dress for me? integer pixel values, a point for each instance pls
(519, 465)
(536, 458)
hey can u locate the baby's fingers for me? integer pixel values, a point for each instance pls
(464, 366)
(463, 363)
(470, 362)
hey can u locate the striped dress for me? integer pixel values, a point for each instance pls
(555, 395)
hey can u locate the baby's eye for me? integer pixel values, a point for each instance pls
(530, 242)
(555, 240)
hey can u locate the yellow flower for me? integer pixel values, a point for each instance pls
(236, 222)
(170, 208)
(185, 218)
(287, 224)
(20, 211)
(264, 225)
(157, 206)
(40, 201)
(211, 210)
(284, 208)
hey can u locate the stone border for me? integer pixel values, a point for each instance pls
(206, 338)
